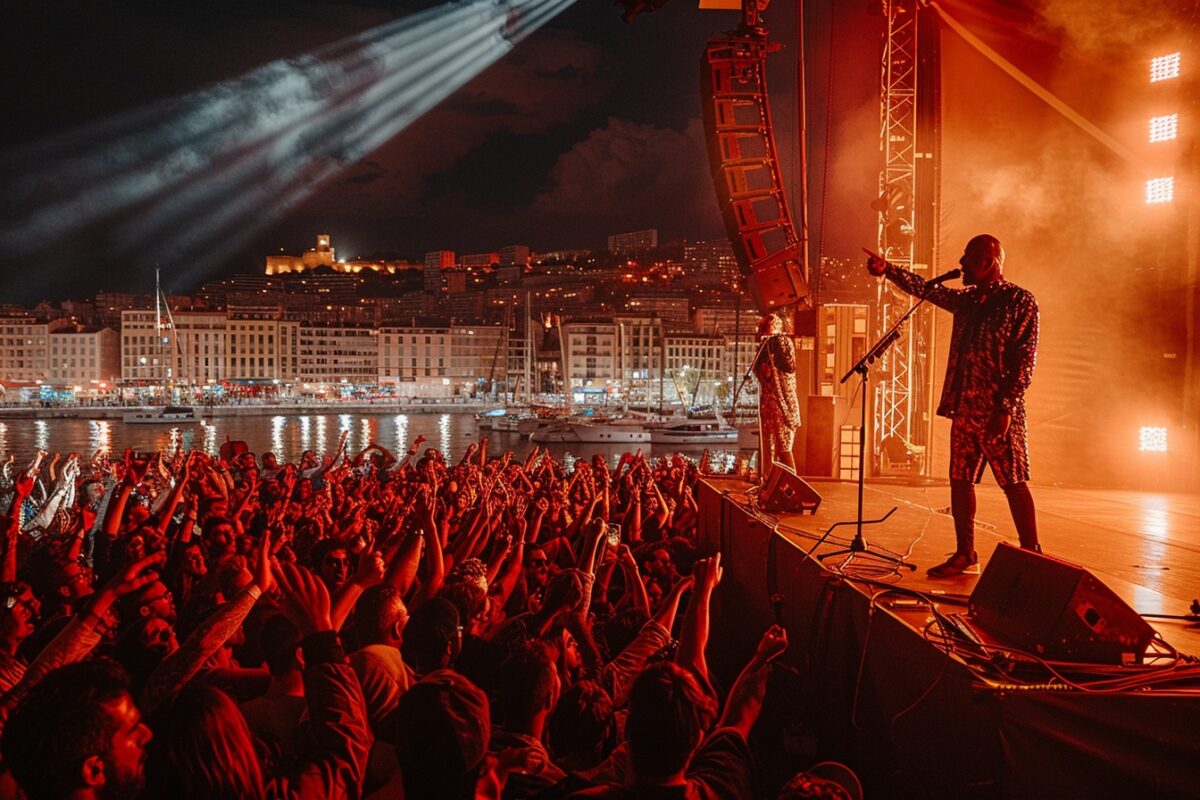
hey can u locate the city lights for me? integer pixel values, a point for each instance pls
(1164, 67)
(1160, 190)
(1165, 128)
(1152, 440)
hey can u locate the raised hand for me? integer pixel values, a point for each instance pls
(370, 571)
(135, 468)
(772, 644)
(135, 575)
(876, 265)
(264, 575)
(303, 599)
(708, 572)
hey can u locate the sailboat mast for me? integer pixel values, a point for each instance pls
(158, 331)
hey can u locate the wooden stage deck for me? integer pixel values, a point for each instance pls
(920, 718)
(1144, 546)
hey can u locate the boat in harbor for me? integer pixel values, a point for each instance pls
(582, 430)
(502, 420)
(693, 431)
(167, 415)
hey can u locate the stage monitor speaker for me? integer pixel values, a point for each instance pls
(787, 491)
(1057, 610)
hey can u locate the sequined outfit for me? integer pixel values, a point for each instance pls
(993, 348)
(778, 408)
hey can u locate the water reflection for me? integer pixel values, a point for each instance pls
(100, 439)
(321, 446)
(401, 434)
(366, 433)
(286, 436)
(277, 424)
(210, 439)
(444, 435)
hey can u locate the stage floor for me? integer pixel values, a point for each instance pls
(1144, 546)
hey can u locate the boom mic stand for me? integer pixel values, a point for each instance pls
(762, 472)
(858, 545)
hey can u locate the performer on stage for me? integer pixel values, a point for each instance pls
(778, 408)
(993, 346)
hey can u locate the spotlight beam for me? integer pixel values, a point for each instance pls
(284, 185)
(195, 130)
(205, 173)
(256, 161)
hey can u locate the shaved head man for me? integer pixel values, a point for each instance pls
(993, 347)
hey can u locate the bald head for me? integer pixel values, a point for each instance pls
(982, 261)
(990, 245)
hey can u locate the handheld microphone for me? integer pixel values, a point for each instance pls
(945, 276)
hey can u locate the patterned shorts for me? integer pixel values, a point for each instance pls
(1008, 456)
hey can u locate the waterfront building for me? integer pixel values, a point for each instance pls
(145, 348)
(338, 354)
(641, 345)
(263, 346)
(591, 357)
(198, 352)
(695, 363)
(84, 359)
(439, 361)
(25, 347)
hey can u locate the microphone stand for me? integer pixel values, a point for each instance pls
(858, 545)
(750, 370)
(762, 472)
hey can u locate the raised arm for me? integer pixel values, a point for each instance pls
(335, 766)
(693, 637)
(22, 488)
(180, 667)
(914, 284)
(746, 697)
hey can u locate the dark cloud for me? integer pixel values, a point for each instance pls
(480, 105)
(627, 174)
(367, 172)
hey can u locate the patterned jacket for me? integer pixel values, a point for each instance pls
(993, 345)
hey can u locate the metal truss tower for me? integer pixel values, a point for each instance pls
(910, 130)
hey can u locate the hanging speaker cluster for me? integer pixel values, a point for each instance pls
(745, 169)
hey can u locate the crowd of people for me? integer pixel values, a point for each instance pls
(374, 625)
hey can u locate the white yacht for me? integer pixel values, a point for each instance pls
(619, 430)
(170, 415)
(696, 430)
